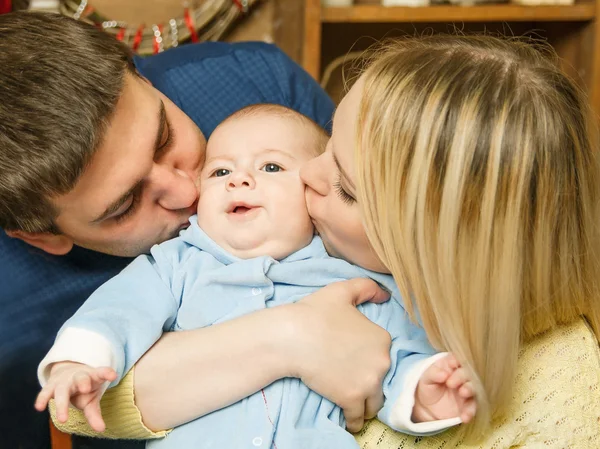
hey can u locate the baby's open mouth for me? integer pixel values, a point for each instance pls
(241, 209)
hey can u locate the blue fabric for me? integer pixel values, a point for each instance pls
(38, 292)
(190, 282)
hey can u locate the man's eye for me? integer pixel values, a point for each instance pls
(221, 172)
(272, 168)
(130, 210)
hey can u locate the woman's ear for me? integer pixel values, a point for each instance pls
(56, 244)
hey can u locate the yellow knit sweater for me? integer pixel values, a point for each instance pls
(556, 403)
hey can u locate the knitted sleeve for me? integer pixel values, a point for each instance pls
(556, 403)
(122, 417)
(556, 400)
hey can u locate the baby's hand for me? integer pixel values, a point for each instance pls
(444, 392)
(79, 384)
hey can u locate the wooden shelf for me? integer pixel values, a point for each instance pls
(573, 30)
(579, 12)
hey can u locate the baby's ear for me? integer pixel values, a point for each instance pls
(56, 244)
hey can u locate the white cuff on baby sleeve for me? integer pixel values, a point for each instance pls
(77, 345)
(401, 413)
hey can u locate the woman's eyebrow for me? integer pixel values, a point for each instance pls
(342, 172)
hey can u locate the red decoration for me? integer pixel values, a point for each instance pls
(137, 40)
(239, 5)
(190, 25)
(121, 34)
(5, 6)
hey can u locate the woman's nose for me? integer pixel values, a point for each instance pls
(173, 189)
(240, 178)
(315, 174)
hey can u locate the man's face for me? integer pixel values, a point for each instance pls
(140, 186)
(252, 200)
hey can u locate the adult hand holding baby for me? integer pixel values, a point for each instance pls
(355, 351)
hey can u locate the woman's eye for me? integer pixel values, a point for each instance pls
(272, 168)
(221, 172)
(344, 196)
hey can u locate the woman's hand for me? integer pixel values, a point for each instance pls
(337, 351)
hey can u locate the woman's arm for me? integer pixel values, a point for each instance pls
(322, 339)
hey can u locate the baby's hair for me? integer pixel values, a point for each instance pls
(319, 135)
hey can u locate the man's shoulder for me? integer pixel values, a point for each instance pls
(242, 54)
(209, 81)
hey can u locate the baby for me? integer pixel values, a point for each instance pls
(251, 246)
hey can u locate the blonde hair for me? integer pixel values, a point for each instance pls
(478, 181)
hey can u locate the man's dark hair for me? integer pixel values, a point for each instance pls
(60, 81)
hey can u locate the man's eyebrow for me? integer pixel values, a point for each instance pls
(116, 205)
(162, 119)
(342, 172)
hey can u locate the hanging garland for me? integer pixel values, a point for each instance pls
(5, 6)
(207, 21)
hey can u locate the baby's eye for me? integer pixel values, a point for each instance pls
(221, 172)
(272, 168)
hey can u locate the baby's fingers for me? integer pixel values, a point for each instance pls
(82, 383)
(94, 416)
(44, 396)
(103, 374)
(457, 378)
(466, 391)
(468, 411)
(62, 399)
(436, 374)
(451, 361)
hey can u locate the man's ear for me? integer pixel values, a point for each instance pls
(56, 244)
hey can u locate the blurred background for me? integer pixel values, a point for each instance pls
(327, 36)
(324, 36)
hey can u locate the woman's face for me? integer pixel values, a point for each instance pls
(331, 192)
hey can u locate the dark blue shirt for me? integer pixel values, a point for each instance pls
(38, 291)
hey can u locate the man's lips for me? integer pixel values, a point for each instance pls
(189, 211)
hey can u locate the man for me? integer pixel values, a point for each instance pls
(99, 156)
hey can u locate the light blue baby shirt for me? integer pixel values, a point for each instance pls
(190, 282)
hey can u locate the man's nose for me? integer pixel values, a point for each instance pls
(315, 175)
(240, 178)
(172, 188)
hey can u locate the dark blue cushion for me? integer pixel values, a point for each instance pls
(38, 292)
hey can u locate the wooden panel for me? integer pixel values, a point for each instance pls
(568, 39)
(449, 13)
(288, 27)
(257, 26)
(311, 57)
(340, 39)
(59, 440)
(589, 51)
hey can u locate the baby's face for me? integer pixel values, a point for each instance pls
(252, 201)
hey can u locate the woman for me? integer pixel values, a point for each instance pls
(466, 167)
(469, 162)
